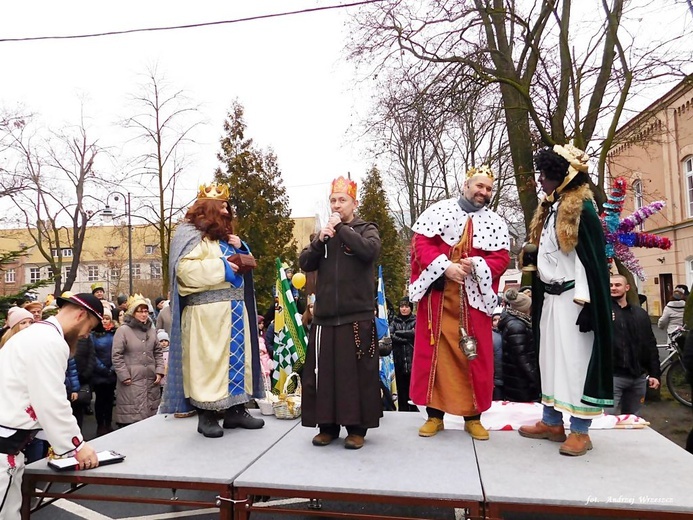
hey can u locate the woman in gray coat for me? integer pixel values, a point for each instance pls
(138, 362)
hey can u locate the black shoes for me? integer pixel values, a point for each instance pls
(238, 417)
(207, 424)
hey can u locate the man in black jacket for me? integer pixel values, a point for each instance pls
(341, 385)
(636, 360)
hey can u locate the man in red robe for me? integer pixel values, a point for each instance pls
(459, 251)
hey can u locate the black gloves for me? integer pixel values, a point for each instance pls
(584, 320)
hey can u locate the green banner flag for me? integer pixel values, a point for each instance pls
(289, 335)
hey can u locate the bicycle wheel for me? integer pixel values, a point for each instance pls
(678, 384)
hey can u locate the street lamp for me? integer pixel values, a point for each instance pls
(108, 212)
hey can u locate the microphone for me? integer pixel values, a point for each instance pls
(326, 238)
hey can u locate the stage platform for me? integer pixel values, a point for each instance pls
(396, 466)
(628, 473)
(165, 452)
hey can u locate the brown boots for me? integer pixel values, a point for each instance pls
(541, 430)
(574, 445)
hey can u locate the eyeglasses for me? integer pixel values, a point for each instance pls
(142, 310)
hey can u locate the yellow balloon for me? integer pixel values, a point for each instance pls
(298, 280)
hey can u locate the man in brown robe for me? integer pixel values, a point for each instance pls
(340, 378)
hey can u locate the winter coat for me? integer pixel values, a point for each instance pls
(349, 255)
(672, 317)
(85, 360)
(521, 382)
(497, 358)
(71, 377)
(634, 346)
(137, 356)
(104, 373)
(402, 333)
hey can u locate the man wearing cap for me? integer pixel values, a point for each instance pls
(341, 384)
(98, 291)
(36, 309)
(459, 251)
(32, 393)
(571, 307)
(214, 355)
(520, 368)
(402, 334)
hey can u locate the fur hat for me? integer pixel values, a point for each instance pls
(518, 301)
(17, 314)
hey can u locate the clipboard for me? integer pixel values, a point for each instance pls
(70, 463)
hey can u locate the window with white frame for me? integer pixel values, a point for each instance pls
(136, 271)
(92, 273)
(115, 273)
(155, 270)
(149, 250)
(10, 276)
(65, 252)
(688, 172)
(638, 199)
(66, 273)
(34, 274)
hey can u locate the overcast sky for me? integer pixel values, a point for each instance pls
(289, 73)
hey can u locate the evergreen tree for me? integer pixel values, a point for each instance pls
(259, 202)
(374, 207)
(6, 301)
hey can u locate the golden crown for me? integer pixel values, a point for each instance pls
(213, 192)
(343, 185)
(484, 171)
(135, 301)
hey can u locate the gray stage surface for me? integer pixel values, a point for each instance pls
(395, 466)
(628, 470)
(166, 452)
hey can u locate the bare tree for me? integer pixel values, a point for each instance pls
(433, 129)
(59, 178)
(558, 77)
(165, 124)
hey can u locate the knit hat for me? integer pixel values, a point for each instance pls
(161, 335)
(497, 311)
(107, 312)
(122, 299)
(678, 294)
(518, 301)
(17, 314)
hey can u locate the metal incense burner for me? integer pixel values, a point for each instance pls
(467, 344)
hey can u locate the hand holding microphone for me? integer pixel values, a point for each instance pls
(328, 231)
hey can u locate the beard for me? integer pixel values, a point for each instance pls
(473, 202)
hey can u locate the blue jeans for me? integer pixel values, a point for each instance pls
(553, 417)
